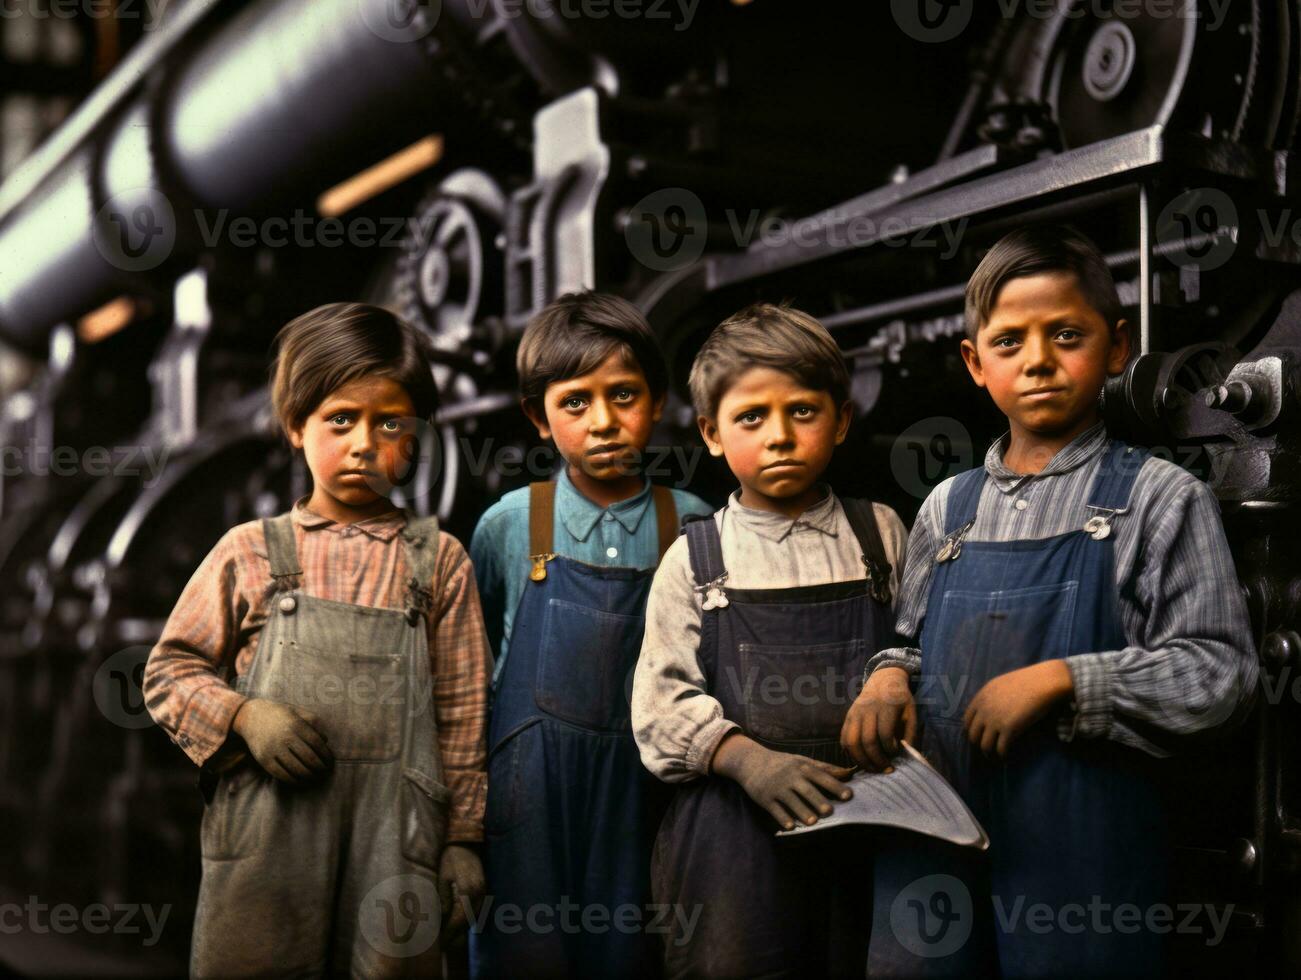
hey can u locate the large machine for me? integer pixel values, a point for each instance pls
(855, 159)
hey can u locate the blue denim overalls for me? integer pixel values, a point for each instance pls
(1075, 827)
(337, 877)
(571, 812)
(785, 664)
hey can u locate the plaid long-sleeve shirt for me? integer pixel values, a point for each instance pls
(212, 636)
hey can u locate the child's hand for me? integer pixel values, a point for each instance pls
(882, 709)
(1008, 704)
(460, 882)
(286, 741)
(784, 784)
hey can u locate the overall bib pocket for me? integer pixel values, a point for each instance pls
(585, 658)
(797, 692)
(981, 635)
(359, 699)
(425, 803)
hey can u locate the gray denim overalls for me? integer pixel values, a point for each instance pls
(336, 877)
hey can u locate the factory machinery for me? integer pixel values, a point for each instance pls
(238, 168)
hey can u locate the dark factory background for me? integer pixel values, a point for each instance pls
(182, 178)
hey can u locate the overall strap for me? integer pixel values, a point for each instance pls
(964, 499)
(1116, 475)
(666, 518)
(705, 549)
(420, 541)
(542, 516)
(282, 551)
(862, 518)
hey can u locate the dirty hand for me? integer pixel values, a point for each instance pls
(784, 784)
(1010, 703)
(286, 741)
(883, 710)
(460, 883)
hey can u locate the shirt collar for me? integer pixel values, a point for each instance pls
(820, 516)
(1074, 454)
(381, 528)
(580, 515)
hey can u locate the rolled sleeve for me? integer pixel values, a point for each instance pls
(185, 684)
(1192, 667)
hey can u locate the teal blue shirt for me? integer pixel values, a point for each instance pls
(623, 535)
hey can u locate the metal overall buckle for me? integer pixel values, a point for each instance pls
(1099, 525)
(878, 578)
(715, 597)
(539, 570)
(952, 546)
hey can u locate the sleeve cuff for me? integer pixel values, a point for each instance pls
(1090, 711)
(909, 658)
(469, 791)
(703, 746)
(220, 702)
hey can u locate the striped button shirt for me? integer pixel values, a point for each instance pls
(212, 636)
(1189, 663)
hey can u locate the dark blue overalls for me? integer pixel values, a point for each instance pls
(571, 812)
(785, 664)
(1076, 827)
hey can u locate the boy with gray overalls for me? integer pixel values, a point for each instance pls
(760, 622)
(329, 667)
(1077, 617)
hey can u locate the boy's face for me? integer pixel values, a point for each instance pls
(601, 421)
(1045, 353)
(777, 437)
(358, 442)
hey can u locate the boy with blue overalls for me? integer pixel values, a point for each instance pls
(564, 568)
(759, 625)
(328, 669)
(1078, 613)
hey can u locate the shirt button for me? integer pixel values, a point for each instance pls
(608, 518)
(288, 604)
(1021, 505)
(611, 552)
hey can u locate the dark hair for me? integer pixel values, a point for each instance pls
(767, 335)
(1035, 250)
(333, 345)
(576, 333)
